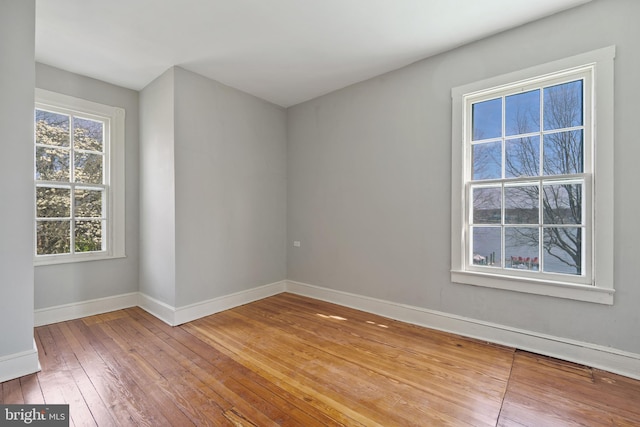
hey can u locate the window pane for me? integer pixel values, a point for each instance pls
(563, 106)
(486, 205)
(522, 157)
(521, 247)
(486, 246)
(89, 236)
(563, 153)
(487, 161)
(88, 168)
(53, 202)
(52, 164)
(87, 134)
(487, 119)
(521, 204)
(563, 204)
(88, 203)
(522, 113)
(52, 128)
(563, 250)
(53, 237)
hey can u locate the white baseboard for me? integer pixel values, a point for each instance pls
(159, 309)
(19, 364)
(201, 309)
(601, 357)
(606, 358)
(176, 316)
(61, 313)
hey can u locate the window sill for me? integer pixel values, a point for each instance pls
(572, 291)
(68, 259)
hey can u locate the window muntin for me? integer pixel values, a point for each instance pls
(70, 182)
(526, 179)
(596, 179)
(79, 177)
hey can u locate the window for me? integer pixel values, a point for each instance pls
(533, 180)
(79, 171)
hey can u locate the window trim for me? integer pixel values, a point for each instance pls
(583, 74)
(601, 289)
(114, 174)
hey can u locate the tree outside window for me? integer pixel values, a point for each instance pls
(70, 187)
(527, 180)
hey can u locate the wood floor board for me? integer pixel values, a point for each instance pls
(11, 392)
(530, 411)
(118, 408)
(223, 375)
(555, 392)
(506, 422)
(373, 389)
(368, 328)
(86, 385)
(31, 391)
(278, 372)
(146, 402)
(199, 394)
(442, 383)
(233, 375)
(289, 360)
(79, 391)
(451, 360)
(59, 380)
(542, 373)
(166, 378)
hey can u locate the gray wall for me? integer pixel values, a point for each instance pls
(213, 174)
(369, 181)
(157, 190)
(17, 76)
(230, 167)
(75, 282)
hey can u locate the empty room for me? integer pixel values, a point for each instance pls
(304, 213)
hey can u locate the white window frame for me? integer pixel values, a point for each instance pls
(114, 175)
(597, 285)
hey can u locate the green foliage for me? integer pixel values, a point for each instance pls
(54, 151)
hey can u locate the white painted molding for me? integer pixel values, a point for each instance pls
(606, 358)
(195, 311)
(159, 309)
(601, 357)
(177, 316)
(61, 313)
(19, 364)
(170, 315)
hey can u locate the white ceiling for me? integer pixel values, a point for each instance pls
(284, 51)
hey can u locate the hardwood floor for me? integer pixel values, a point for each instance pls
(295, 361)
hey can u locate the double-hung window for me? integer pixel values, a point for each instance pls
(532, 172)
(79, 193)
